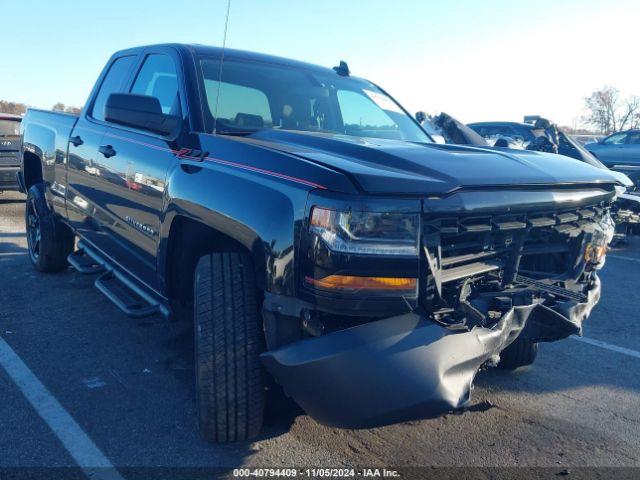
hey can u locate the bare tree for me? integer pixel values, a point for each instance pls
(609, 113)
(12, 107)
(20, 108)
(74, 110)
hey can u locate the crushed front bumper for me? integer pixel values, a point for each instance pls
(407, 367)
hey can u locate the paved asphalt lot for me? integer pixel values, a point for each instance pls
(128, 386)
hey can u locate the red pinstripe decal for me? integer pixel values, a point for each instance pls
(261, 170)
(181, 154)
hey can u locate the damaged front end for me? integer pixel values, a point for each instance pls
(626, 215)
(483, 280)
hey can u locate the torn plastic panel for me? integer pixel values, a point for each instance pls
(456, 132)
(626, 214)
(408, 367)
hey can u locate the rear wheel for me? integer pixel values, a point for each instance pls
(229, 383)
(520, 353)
(50, 242)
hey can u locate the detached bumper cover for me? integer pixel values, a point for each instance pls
(407, 367)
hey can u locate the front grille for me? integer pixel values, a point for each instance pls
(537, 245)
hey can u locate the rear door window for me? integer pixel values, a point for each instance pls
(113, 82)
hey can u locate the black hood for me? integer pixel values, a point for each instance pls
(393, 167)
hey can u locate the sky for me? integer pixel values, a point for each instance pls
(476, 60)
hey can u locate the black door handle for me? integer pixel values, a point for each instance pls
(77, 141)
(107, 150)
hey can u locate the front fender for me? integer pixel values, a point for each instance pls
(262, 214)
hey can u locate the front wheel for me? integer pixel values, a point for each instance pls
(520, 353)
(229, 383)
(50, 242)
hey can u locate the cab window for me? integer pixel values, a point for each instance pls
(246, 106)
(158, 78)
(113, 82)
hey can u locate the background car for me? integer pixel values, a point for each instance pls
(622, 148)
(9, 147)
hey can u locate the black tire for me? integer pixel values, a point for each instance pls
(49, 241)
(228, 341)
(520, 353)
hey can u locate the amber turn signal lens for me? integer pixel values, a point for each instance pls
(594, 253)
(352, 283)
(321, 217)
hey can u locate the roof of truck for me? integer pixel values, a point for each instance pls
(205, 50)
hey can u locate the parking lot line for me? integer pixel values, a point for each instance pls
(608, 346)
(621, 257)
(81, 448)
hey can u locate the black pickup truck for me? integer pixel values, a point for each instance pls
(9, 151)
(309, 228)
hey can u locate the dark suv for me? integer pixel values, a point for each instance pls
(9, 148)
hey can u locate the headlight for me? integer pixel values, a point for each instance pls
(596, 250)
(366, 233)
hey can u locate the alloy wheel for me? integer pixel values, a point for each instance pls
(34, 233)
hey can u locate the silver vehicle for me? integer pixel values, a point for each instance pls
(622, 148)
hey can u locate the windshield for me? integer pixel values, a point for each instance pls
(254, 96)
(9, 127)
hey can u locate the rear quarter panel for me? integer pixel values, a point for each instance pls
(46, 135)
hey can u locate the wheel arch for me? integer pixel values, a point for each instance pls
(32, 172)
(256, 213)
(184, 239)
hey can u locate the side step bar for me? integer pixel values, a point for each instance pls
(84, 263)
(123, 292)
(119, 290)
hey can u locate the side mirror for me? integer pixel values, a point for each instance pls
(140, 111)
(421, 117)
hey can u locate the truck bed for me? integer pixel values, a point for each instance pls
(62, 123)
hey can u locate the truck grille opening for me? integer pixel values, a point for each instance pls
(502, 256)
